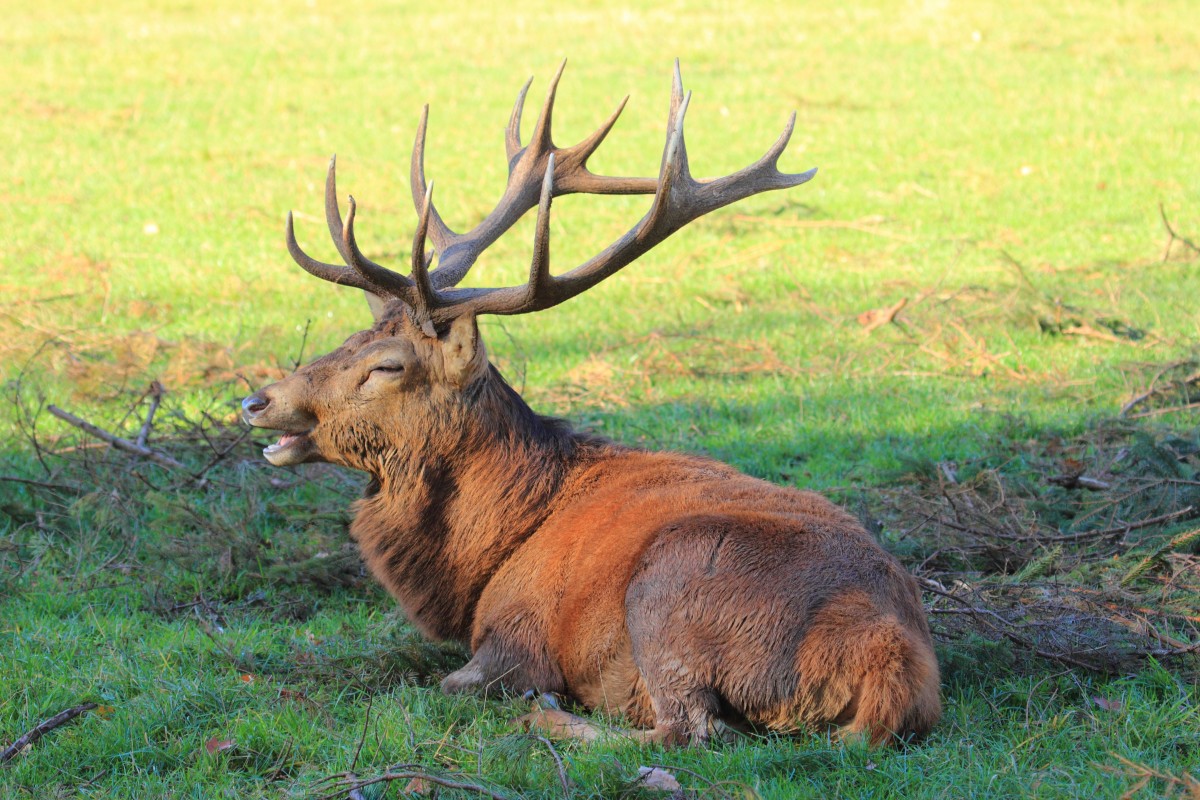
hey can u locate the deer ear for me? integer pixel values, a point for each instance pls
(462, 351)
(377, 304)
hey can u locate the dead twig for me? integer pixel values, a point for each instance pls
(303, 342)
(221, 454)
(42, 729)
(281, 764)
(348, 782)
(563, 779)
(1175, 237)
(156, 393)
(58, 487)
(1117, 530)
(1019, 268)
(1160, 411)
(1144, 774)
(162, 459)
(363, 738)
(1155, 389)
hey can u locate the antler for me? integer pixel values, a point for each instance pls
(538, 173)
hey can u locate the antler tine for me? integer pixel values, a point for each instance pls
(458, 252)
(763, 175)
(346, 247)
(512, 134)
(677, 100)
(583, 151)
(674, 167)
(327, 272)
(541, 141)
(776, 150)
(539, 267)
(575, 177)
(440, 233)
(676, 91)
(333, 214)
(392, 283)
(426, 296)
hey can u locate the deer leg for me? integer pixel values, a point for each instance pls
(549, 719)
(468, 679)
(499, 669)
(676, 665)
(681, 718)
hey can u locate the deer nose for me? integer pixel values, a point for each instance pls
(254, 405)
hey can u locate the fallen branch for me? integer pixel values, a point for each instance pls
(1087, 331)
(1158, 612)
(1160, 411)
(348, 782)
(1144, 774)
(1079, 482)
(1028, 623)
(156, 393)
(1119, 529)
(58, 487)
(563, 780)
(363, 738)
(42, 729)
(1005, 629)
(1154, 389)
(1175, 237)
(162, 459)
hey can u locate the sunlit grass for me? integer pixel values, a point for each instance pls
(1001, 167)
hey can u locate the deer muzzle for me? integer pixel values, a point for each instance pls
(295, 446)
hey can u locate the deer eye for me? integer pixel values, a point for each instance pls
(383, 371)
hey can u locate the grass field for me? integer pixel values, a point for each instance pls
(999, 167)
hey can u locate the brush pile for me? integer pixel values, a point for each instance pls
(1082, 550)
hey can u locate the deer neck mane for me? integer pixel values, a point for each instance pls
(437, 524)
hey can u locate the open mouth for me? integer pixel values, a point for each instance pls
(292, 448)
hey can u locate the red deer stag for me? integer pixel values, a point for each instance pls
(668, 588)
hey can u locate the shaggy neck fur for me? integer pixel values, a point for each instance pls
(442, 517)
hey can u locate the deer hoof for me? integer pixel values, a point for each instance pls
(545, 700)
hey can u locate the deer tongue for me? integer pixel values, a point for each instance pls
(277, 453)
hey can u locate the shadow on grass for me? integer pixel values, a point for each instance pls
(231, 608)
(1072, 546)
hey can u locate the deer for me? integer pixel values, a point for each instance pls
(666, 589)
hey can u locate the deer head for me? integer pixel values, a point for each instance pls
(390, 390)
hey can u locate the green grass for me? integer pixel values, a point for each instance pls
(1000, 167)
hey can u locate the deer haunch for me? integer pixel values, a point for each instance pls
(668, 588)
(678, 592)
